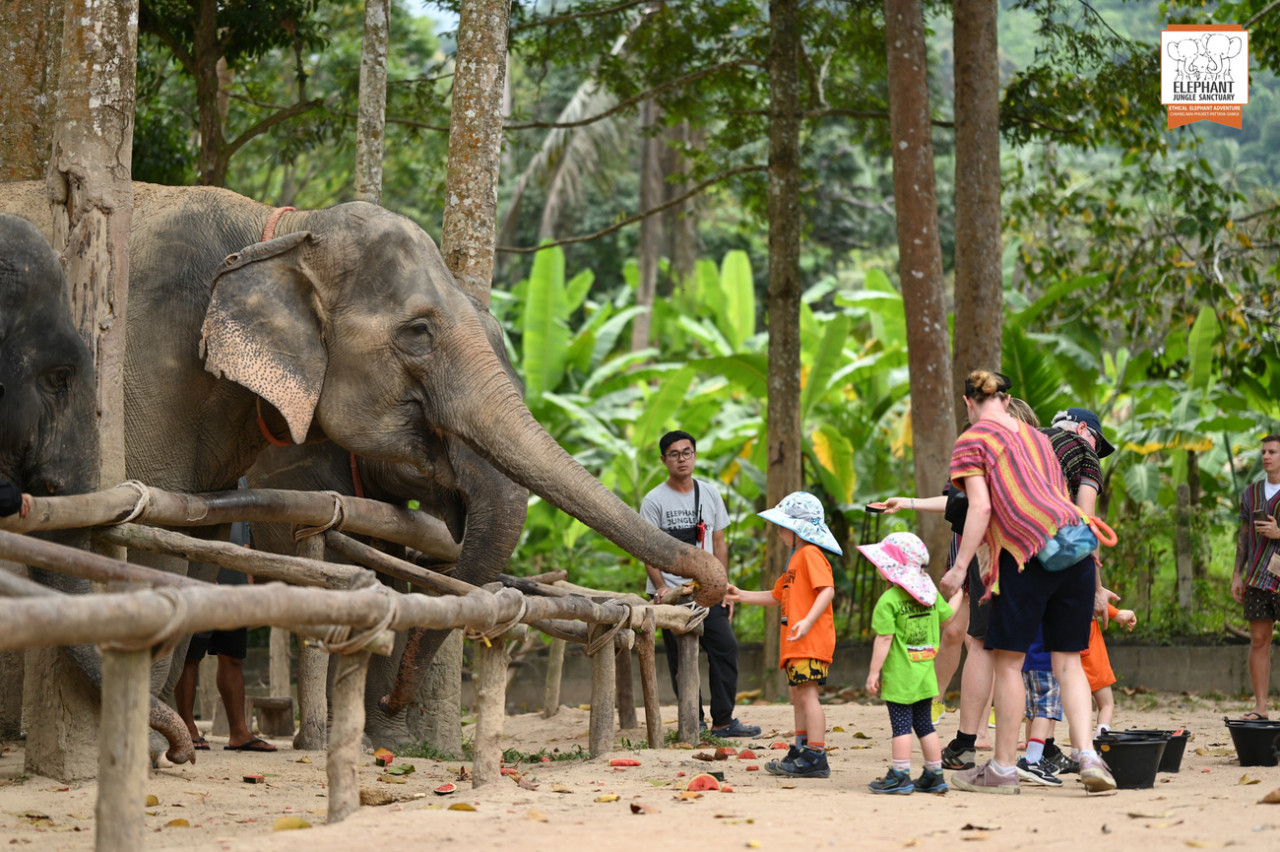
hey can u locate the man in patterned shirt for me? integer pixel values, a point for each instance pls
(1256, 578)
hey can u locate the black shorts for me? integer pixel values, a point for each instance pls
(1261, 604)
(224, 643)
(979, 610)
(1061, 601)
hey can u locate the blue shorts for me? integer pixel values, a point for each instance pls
(1044, 699)
(1060, 600)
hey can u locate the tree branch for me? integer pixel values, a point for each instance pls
(597, 13)
(741, 170)
(269, 122)
(1266, 10)
(632, 101)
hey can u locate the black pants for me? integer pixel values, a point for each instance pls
(722, 664)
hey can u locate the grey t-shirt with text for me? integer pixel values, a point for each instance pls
(668, 509)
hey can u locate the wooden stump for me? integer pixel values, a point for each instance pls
(492, 660)
(603, 684)
(313, 666)
(555, 671)
(119, 816)
(688, 682)
(646, 652)
(347, 735)
(625, 689)
(275, 714)
(279, 677)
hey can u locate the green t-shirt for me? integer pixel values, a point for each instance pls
(908, 676)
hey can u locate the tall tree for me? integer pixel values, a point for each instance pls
(979, 278)
(651, 187)
(475, 144)
(784, 448)
(31, 44)
(372, 123)
(933, 428)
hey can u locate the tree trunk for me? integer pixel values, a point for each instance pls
(31, 44)
(933, 427)
(90, 194)
(1182, 549)
(1199, 543)
(979, 275)
(372, 122)
(475, 145)
(783, 439)
(651, 226)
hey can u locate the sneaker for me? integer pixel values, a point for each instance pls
(808, 764)
(774, 767)
(894, 781)
(1062, 763)
(932, 781)
(736, 729)
(1095, 774)
(984, 779)
(1037, 773)
(938, 711)
(954, 757)
(991, 718)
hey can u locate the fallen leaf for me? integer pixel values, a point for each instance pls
(1145, 815)
(657, 782)
(1245, 780)
(526, 784)
(303, 760)
(152, 801)
(608, 797)
(462, 806)
(638, 808)
(968, 826)
(1272, 798)
(375, 797)
(537, 816)
(400, 769)
(560, 788)
(177, 823)
(1205, 844)
(837, 730)
(858, 735)
(702, 755)
(388, 779)
(584, 706)
(689, 795)
(290, 823)
(753, 844)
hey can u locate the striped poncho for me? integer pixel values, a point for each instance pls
(1028, 491)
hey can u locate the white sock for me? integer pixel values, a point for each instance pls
(1001, 770)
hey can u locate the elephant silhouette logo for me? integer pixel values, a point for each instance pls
(1204, 73)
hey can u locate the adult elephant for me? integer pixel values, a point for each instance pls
(48, 425)
(341, 324)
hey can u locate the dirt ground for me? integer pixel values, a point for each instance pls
(577, 804)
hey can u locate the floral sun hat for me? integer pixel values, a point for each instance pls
(802, 513)
(901, 558)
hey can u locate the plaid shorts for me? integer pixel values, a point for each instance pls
(1044, 700)
(805, 670)
(1261, 604)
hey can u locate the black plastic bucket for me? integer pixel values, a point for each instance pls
(1171, 761)
(1255, 740)
(1133, 759)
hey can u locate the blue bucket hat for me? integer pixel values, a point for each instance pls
(802, 513)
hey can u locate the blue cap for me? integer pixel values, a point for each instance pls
(1088, 418)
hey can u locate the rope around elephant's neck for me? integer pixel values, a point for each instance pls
(269, 230)
(266, 430)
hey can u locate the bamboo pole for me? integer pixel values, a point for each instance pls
(122, 750)
(128, 502)
(602, 689)
(492, 660)
(555, 671)
(346, 736)
(313, 666)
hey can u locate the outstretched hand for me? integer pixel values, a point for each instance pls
(732, 594)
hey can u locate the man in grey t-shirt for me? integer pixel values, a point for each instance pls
(694, 513)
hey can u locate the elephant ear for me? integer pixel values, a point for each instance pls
(262, 329)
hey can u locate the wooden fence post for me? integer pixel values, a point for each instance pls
(688, 683)
(555, 671)
(603, 685)
(313, 668)
(492, 659)
(625, 689)
(119, 816)
(347, 735)
(646, 653)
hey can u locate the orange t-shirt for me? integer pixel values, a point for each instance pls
(808, 572)
(1095, 660)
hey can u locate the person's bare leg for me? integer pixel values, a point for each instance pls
(231, 688)
(184, 695)
(975, 687)
(1260, 635)
(951, 644)
(1077, 701)
(809, 714)
(1010, 695)
(1106, 706)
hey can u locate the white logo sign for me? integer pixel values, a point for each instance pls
(1202, 67)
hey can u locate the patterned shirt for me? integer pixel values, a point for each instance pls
(1259, 547)
(1079, 461)
(1028, 492)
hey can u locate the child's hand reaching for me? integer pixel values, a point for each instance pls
(873, 682)
(732, 594)
(1126, 618)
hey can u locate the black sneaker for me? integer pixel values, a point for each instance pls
(808, 764)
(736, 729)
(1062, 764)
(774, 767)
(1037, 773)
(955, 758)
(895, 782)
(931, 781)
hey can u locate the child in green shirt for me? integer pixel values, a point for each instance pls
(908, 623)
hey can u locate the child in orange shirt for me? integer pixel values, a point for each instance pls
(808, 641)
(1097, 665)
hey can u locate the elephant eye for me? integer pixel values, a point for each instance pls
(58, 380)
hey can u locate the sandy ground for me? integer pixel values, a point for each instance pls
(568, 805)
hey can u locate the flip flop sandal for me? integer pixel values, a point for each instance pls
(200, 744)
(1253, 716)
(254, 744)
